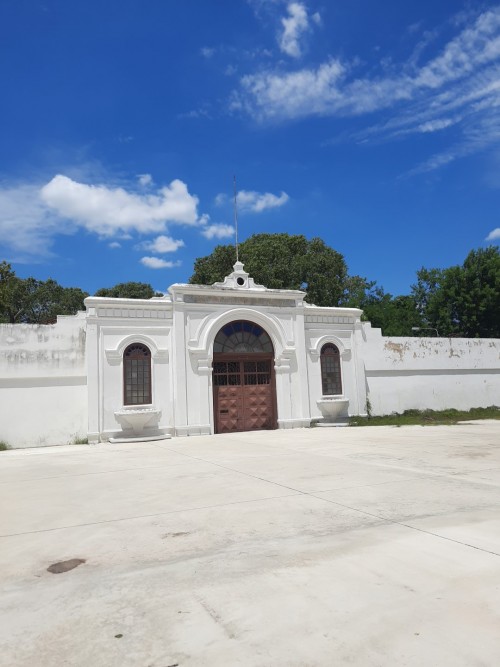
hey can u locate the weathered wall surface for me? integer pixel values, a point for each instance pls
(429, 373)
(43, 378)
(47, 384)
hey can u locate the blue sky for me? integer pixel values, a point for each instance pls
(374, 126)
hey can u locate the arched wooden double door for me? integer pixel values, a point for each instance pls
(244, 385)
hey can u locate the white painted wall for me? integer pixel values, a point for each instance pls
(112, 325)
(340, 327)
(64, 381)
(197, 323)
(43, 377)
(429, 373)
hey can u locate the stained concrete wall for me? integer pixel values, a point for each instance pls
(429, 373)
(43, 378)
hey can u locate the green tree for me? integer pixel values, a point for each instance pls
(462, 300)
(394, 315)
(28, 300)
(281, 261)
(129, 290)
(359, 291)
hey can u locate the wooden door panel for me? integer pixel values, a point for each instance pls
(257, 407)
(244, 395)
(229, 406)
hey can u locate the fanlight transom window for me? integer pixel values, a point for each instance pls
(137, 375)
(331, 377)
(242, 336)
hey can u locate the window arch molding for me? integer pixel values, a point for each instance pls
(343, 347)
(115, 355)
(202, 343)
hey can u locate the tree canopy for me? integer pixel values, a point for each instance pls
(28, 300)
(394, 315)
(457, 301)
(281, 261)
(462, 300)
(129, 290)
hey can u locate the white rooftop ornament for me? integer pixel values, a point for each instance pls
(240, 280)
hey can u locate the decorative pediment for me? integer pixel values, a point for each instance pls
(239, 279)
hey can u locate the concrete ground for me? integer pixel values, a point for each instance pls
(354, 546)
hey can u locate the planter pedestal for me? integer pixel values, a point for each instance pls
(334, 410)
(139, 424)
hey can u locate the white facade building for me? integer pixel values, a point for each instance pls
(220, 358)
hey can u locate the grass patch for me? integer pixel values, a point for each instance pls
(4, 446)
(427, 417)
(79, 441)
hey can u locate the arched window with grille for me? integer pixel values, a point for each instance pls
(242, 336)
(137, 375)
(331, 376)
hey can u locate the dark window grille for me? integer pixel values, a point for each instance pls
(137, 375)
(238, 373)
(226, 373)
(257, 372)
(331, 377)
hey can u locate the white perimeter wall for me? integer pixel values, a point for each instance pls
(43, 372)
(43, 383)
(429, 373)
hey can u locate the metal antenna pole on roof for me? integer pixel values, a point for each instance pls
(235, 219)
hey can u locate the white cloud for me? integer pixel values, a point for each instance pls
(478, 135)
(114, 244)
(157, 263)
(207, 52)
(218, 231)
(26, 226)
(276, 96)
(294, 26)
(459, 87)
(33, 214)
(260, 201)
(494, 235)
(435, 125)
(316, 18)
(220, 199)
(108, 211)
(203, 111)
(162, 244)
(326, 90)
(255, 202)
(145, 179)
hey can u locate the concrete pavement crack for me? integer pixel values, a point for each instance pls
(354, 509)
(148, 516)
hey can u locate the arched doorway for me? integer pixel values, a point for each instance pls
(244, 385)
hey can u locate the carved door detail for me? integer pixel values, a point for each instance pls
(244, 394)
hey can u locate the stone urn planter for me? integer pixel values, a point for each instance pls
(138, 424)
(334, 409)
